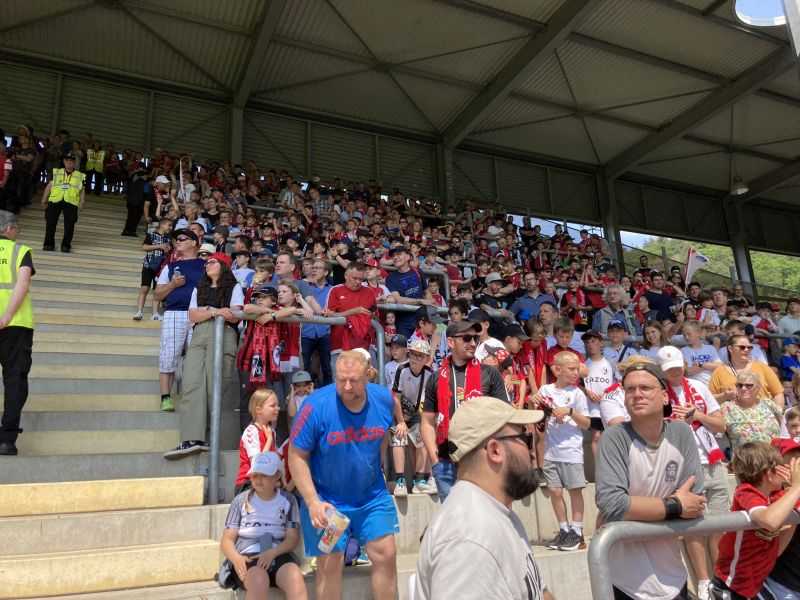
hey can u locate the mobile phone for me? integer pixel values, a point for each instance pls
(263, 178)
(119, 155)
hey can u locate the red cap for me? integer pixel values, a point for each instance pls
(221, 257)
(785, 445)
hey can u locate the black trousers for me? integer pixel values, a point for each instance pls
(134, 218)
(52, 215)
(16, 345)
(94, 182)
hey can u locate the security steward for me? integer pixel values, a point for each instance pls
(95, 163)
(64, 193)
(16, 329)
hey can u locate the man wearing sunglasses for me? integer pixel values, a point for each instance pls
(723, 379)
(459, 378)
(476, 546)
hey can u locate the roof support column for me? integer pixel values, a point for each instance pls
(236, 134)
(608, 208)
(444, 173)
(741, 253)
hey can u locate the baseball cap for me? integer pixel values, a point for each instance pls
(266, 463)
(514, 330)
(399, 340)
(428, 313)
(162, 179)
(210, 248)
(670, 357)
(221, 257)
(591, 334)
(616, 324)
(493, 277)
(478, 418)
(648, 367)
(397, 250)
(68, 156)
(301, 377)
(460, 327)
(187, 232)
(479, 316)
(790, 340)
(419, 345)
(785, 445)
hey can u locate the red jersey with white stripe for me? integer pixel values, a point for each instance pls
(745, 559)
(255, 440)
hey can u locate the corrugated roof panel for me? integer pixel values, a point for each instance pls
(758, 119)
(678, 148)
(610, 139)
(88, 36)
(28, 97)
(366, 96)
(220, 53)
(563, 137)
(600, 79)
(787, 149)
(440, 101)
(708, 171)
(540, 11)
(658, 112)
(717, 128)
(316, 22)
(289, 66)
(750, 167)
(514, 111)
(186, 125)
(657, 29)
(547, 82)
(478, 65)
(787, 83)
(420, 28)
(241, 14)
(12, 13)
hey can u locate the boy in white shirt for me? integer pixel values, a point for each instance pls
(617, 350)
(566, 406)
(599, 379)
(701, 358)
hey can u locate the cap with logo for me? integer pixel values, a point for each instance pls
(462, 327)
(399, 340)
(669, 357)
(301, 377)
(187, 232)
(616, 324)
(207, 248)
(221, 258)
(419, 345)
(162, 179)
(478, 418)
(591, 334)
(266, 463)
(494, 278)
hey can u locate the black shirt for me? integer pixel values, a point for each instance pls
(491, 385)
(661, 303)
(787, 568)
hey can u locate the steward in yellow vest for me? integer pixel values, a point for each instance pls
(65, 194)
(16, 329)
(95, 161)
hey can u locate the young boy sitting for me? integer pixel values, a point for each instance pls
(701, 358)
(302, 386)
(563, 448)
(747, 557)
(259, 436)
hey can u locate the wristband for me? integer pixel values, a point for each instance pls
(672, 508)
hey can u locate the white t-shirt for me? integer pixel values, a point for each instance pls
(713, 316)
(482, 351)
(389, 371)
(697, 357)
(651, 353)
(237, 297)
(474, 533)
(707, 405)
(613, 405)
(787, 325)
(600, 378)
(563, 441)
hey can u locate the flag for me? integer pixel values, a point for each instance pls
(694, 262)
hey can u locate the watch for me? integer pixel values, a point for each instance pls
(672, 508)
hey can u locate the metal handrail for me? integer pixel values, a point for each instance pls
(607, 536)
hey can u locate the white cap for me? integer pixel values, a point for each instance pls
(162, 179)
(419, 345)
(266, 463)
(670, 357)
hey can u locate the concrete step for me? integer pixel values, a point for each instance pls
(91, 319)
(109, 420)
(202, 590)
(110, 441)
(43, 291)
(93, 386)
(92, 274)
(133, 350)
(90, 402)
(72, 285)
(86, 358)
(93, 261)
(109, 529)
(130, 335)
(77, 276)
(102, 465)
(65, 371)
(108, 569)
(25, 499)
(115, 307)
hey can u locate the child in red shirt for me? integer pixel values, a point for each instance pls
(747, 557)
(259, 436)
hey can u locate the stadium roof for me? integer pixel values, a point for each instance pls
(671, 89)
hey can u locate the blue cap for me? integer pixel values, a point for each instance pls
(617, 324)
(266, 463)
(790, 340)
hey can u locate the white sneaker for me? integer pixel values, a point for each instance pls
(703, 592)
(156, 317)
(138, 316)
(432, 489)
(420, 487)
(400, 490)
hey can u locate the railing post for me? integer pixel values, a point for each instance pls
(216, 412)
(380, 342)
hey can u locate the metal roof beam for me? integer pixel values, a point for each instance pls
(257, 56)
(712, 8)
(47, 17)
(534, 51)
(768, 182)
(162, 10)
(745, 84)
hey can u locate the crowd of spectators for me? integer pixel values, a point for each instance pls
(477, 303)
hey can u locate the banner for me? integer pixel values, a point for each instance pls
(694, 262)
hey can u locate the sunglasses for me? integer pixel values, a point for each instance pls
(744, 348)
(467, 338)
(746, 386)
(525, 436)
(182, 238)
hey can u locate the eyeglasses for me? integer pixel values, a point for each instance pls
(182, 238)
(212, 261)
(746, 386)
(467, 338)
(525, 436)
(744, 348)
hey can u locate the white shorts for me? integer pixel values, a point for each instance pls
(413, 436)
(715, 485)
(176, 332)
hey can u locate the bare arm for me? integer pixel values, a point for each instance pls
(46, 193)
(21, 289)
(714, 422)
(427, 430)
(301, 475)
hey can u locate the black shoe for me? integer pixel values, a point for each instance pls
(572, 541)
(66, 249)
(555, 543)
(49, 248)
(186, 449)
(8, 449)
(129, 234)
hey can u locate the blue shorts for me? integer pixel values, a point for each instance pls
(374, 520)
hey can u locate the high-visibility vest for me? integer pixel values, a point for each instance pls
(66, 187)
(11, 255)
(94, 160)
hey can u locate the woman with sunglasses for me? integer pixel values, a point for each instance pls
(749, 417)
(217, 294)
(723, 378)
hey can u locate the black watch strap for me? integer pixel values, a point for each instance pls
(672, 508)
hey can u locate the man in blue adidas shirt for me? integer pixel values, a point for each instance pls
(335, 463)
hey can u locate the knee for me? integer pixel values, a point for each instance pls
(331, 565)
(383, 553)
(256, 579)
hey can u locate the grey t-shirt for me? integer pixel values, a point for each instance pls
(253, 517)
(411, 388)
(476, 549)
(628, 466)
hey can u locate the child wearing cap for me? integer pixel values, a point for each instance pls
(261, 531)
(784, 579)
(599, 378)
(302, 387)
(789, 363)
(408, 387)
(566, 406)
(259, 435)
(747, 557)
(398, 351)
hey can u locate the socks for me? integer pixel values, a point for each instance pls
(164, 397)
(577, 526)
(564, 526)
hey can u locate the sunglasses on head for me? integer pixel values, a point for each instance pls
(467, 338)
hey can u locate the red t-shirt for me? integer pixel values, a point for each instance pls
(253, 441)
(745, 559)
(342, 298)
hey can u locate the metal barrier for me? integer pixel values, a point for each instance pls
(215, 415)
(607, 536)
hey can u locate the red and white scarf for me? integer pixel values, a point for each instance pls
(704, 438)
(444, 393)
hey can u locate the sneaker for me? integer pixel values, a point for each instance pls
(572, 540)
(362, 558)
(555, 543)
(420, 487)
(703, 590)
(400, 490)
(167, 404)
(8, 449)
(156, 317)
(138, 316)
(431, 485)
(186, 449)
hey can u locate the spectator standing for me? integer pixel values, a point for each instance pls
(174, 288)
(398, 353)
(157, 245)
(790, 322)
(407, 286)
(527, 306)
(64, 193)
(341, 428)
(648, 470)
(357, 304)
(95, 161)
(16, 329)
(140, 193)
(659, 297)
(600, 376)
(485, 340)
(258, 436)
(460, 378)
(476, 546)
(316, 339)
(701, 359)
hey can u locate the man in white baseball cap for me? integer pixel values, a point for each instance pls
(476, 546)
